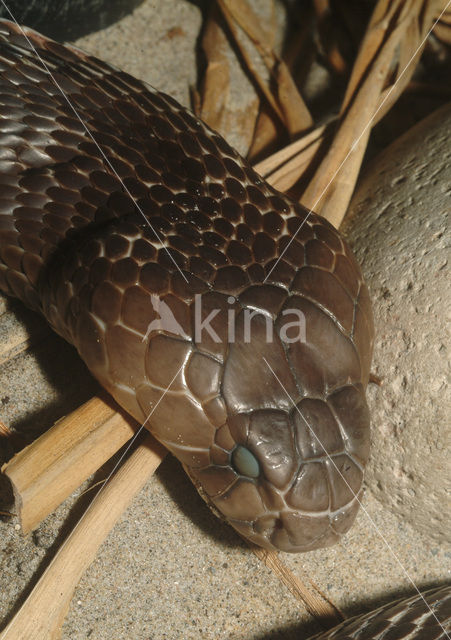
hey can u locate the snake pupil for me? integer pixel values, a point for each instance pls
(244, 462)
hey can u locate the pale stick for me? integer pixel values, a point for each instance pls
(46, 472)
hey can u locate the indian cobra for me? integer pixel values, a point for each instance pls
(195, 293)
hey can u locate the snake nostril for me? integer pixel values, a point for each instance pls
(244, 462)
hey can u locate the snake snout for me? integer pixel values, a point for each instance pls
(272, 491)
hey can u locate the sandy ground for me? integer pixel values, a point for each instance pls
(169, 569)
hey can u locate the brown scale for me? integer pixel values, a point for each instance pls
(117, 247)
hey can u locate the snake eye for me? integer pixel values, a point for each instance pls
(244, 462)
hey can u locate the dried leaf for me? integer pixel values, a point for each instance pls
(5, 432)
(268, 134)
(222, 103)
(249, 22)
(217, 76)
(328, 36)
(299, 54)
(296, 115)
(289, 106)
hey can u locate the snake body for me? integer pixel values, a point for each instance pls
(153, 216)
(420, 617)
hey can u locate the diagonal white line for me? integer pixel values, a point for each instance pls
(85, 126)
(135, 436)
(373, 524)
(14, 620)
(130, 444)
(356, 141)
(138, 207)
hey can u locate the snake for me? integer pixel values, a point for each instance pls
(424, 616)
(150, 245)
(230, 320)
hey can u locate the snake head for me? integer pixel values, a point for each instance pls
(264, 405)
(286, 468)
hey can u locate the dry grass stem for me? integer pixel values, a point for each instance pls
(46, 472)
(442, 30)
(284, 168)
(395, 26)
(314, 600)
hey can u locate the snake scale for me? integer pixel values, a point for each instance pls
(149, 244)
(182, 278)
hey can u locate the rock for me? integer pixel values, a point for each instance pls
(398, 227)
